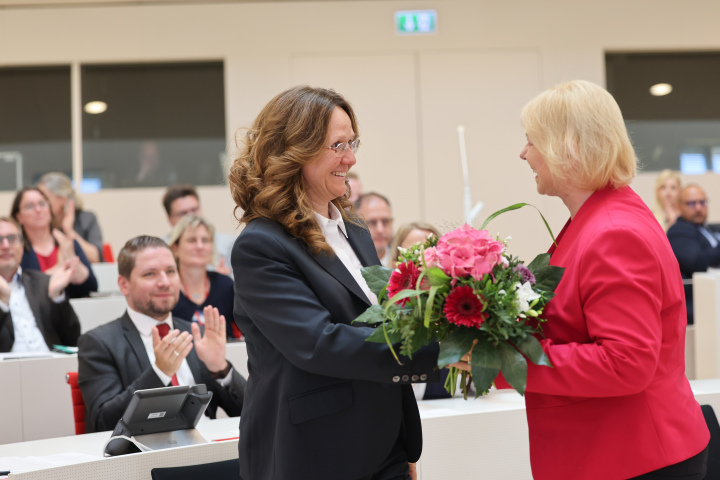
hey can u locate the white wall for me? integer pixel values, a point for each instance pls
(410, 93)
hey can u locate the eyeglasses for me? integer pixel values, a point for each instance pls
(29, 207)
(12, 238)
(341, 148)
(694, 203)
(373, 223)
(189, 211)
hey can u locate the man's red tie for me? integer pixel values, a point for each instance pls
(164, 329)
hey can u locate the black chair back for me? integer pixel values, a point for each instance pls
(713, 464)
(229, 469)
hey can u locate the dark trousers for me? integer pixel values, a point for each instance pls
(693, 468)
(394, 467)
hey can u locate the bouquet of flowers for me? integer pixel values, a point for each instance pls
(465, 291)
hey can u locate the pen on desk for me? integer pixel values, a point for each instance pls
(225, 439)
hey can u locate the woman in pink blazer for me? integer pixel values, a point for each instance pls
(617, 404)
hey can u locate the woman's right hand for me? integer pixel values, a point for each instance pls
(66, 252)
(66, 247)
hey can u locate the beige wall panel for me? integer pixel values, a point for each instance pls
(384, 104)
(485, 92)
(563, 65)
(250, 82)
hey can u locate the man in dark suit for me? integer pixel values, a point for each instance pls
(695, 245)
(141, 350)
(34, 312)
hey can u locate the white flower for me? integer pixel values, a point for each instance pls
(524, 295)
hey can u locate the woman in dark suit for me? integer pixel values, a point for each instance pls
(321, 402)
(617, 404)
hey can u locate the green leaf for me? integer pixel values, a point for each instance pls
(376, 277)
(400, 295)
(377, 336)
(485, 365)
(437, 277)
(513, 366)
(506, 209)
(539, 262)
(374, 314)
(515, 207)
(429, 307)
(532, 349)
(547, 277)
(455, 345)
(421, 338)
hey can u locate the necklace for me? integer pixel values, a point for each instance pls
(196, 296)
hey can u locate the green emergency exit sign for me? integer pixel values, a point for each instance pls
(416, 22)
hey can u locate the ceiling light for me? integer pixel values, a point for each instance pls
(95, 107)
(660, 89)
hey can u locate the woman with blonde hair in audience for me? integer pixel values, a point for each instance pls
(409, 234)
(192, 242)
(46, 247)
(667, 198)
(69, 215)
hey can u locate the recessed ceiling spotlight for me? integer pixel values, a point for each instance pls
(94, 108)
(660, 89)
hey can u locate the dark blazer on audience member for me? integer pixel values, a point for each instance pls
(30, 262)
(57, 321)
(321, 402)
(113, 363)
(693, 253)
(87, 226)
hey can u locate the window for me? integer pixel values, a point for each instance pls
(34, 124)
(681, 129)
(162, 124)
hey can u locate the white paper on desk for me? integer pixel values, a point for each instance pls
(26, 464)
(16, 355)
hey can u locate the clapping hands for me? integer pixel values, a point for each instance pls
(61, 276)
(210, 347)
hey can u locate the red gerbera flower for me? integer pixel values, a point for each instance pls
(464, 308)
(405, 277)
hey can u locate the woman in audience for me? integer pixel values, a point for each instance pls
(410, 234)
(667, 198)
(45, 247)
(616, 403)
(320, 399)
(69, 215)
(192, 243)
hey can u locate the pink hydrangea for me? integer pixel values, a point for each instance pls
(431, 257)
(466, 251)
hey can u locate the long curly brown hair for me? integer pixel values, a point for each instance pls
(266, 178)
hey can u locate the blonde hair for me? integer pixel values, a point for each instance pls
(578, 128)
(663, 177)
(59, 184)
(402, 234)
(191, 222)
(658, 209)
(266, 178)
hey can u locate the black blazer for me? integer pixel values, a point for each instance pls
(321, 402)
(57, 321)
(693, 253)
(113, 363)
